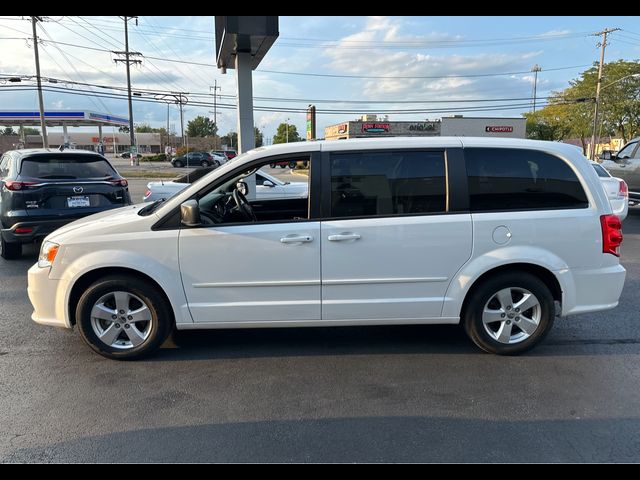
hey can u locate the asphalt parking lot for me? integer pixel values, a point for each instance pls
(380, 394)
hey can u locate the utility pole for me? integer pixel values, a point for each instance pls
(168, 137)
(128, 61)
(536, 68)
(43, 126)
(602, 44)
(215, 109)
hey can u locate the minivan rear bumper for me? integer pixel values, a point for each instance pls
(593, 289)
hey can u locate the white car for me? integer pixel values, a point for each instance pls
(617, 191)
(221, 159)
(499, 235)
(267, 186)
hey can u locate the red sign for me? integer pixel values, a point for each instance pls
(375, 127)
(104, 139)
(498, 129)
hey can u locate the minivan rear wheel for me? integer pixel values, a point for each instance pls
(10, 250)
(509, 313)
(123, 317)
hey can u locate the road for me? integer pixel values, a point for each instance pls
(380, 394)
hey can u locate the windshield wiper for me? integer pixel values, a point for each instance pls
(149, 209)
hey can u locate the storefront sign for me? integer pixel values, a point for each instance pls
(422, 127)
(343, 128)
(376, 128)
(498, 129)
(105, 139)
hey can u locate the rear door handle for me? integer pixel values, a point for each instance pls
(297, 239)
(343, 237)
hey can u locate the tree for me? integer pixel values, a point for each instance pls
(30, 131)
(8, 131)
(201, 127)
(259, 137)
(123, 129)
(281, 134)
(146, 128)
(230, 140)
(569, 113)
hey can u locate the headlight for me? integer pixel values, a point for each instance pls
(48, 253)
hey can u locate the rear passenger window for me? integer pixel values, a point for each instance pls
(514, 179)
(387, 183)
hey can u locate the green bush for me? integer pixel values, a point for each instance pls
(161, 157)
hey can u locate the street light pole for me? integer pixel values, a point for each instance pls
(286, 124)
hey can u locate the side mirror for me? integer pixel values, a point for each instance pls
(606, 155)
(268, 183)
(243, 188)
(190, 214)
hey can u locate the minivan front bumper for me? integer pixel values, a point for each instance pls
(47, 296)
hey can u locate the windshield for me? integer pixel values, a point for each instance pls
(69, 167)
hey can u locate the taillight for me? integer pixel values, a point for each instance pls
(611, 234)
(147, 194)
(15, 186)
(623, 190)
(121, 183)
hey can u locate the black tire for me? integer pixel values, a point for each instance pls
(204, 164)
(178, 164)
(10, 250)
(283, 166)
(161, 323)
(272, 165)
(487, 291)
(292, 165)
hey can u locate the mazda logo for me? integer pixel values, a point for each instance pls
(78, 189)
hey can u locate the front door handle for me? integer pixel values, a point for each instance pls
(297, 239)
(343, 237)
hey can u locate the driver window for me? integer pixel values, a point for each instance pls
(233, 202)
(627, 151)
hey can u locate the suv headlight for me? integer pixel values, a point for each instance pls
(48, 252)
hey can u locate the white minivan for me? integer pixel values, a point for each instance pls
(500, 235)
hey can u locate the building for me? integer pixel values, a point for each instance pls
(369, 126)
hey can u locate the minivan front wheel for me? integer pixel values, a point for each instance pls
(509, 313)
(123, 317)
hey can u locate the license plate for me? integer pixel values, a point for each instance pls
(74, 202)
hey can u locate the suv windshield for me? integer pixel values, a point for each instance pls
(53, 167)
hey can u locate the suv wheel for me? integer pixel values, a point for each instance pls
(272, 165)
(204, 163)
(123, 317)
(292, 165)
(177, 164)
(509, 314)
(10, 250)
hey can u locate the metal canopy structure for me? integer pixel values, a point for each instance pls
(246, 34)
(241, 43)
(61, 118)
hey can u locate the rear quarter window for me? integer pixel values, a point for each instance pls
(54, 167)
(517, 179)
(600, 171)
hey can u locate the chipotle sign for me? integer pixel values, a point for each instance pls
(498, 129)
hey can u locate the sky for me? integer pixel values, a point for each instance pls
(475, 66)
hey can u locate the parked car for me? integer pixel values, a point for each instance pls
(500, 235)
(289, 163)
(221, 158)
(626, 165)
(616, 189)
(267, 186)
(128, 155)
(229, 154)
(43, 189)
(192, 159)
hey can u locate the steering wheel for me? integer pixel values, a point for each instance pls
(243, 205)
